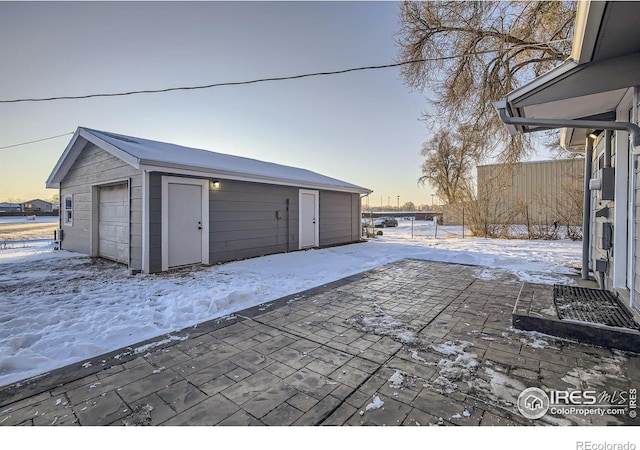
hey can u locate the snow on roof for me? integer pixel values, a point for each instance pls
(147, 152)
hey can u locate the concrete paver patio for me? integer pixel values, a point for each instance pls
(409, 343)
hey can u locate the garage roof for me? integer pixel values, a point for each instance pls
(162, 156)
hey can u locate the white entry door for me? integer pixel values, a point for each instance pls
(309, 220)
(113, 223)
(185, 222)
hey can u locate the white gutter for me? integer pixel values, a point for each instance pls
(512, 122)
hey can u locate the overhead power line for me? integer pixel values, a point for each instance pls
(214, 85)
(259, 80)
(237, 83)
(37, 140)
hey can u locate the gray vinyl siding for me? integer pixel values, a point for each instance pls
(94, 166)
(339, 218)
(243, 220)
(155, 222)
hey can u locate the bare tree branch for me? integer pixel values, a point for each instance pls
(502, 45)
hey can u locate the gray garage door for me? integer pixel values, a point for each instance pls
(113, 228)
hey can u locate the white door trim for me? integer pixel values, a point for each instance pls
(316, 237)
(166, 180)
(145, 221)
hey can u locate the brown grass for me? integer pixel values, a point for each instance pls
(22, 231)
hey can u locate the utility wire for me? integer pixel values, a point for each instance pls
(38, 140)
(259, 80)
(237, 83)
(213, 85)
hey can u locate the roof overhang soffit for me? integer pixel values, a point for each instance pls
(579, 91)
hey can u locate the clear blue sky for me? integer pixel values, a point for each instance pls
(361, 127)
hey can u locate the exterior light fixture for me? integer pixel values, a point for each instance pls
(215, 184)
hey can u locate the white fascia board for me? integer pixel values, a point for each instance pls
(73, 150)
(115, 151)
(153, 166)
(64, 162)
(589, 17)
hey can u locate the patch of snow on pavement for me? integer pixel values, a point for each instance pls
(396, 379)
(375, 404)
(382, 324)
(599, 375)
(465, 413)
(458, 365)
(503, 388)
(168, 339)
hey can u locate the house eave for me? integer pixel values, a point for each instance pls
(77, 143)
(179, 169)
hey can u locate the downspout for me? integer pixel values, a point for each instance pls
(634, 178)
(586, 208)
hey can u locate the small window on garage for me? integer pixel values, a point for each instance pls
(68, 209)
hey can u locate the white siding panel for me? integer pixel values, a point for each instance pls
(113, 228)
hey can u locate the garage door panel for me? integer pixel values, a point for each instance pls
(113, 226)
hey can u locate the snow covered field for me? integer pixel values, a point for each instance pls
(17, 231)
(23, 219)
(58, 307)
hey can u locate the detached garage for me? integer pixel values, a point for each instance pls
(155, 206)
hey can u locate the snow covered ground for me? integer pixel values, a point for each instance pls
(23, 219)
(58, 307)
(17, 231)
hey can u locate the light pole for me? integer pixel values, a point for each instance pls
(398, 203)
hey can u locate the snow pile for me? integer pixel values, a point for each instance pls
(458, 365)
(465, 414)
(396, 380)
(375, 404)
(382, 324)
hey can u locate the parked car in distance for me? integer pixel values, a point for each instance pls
(384, 222)
(390, 222)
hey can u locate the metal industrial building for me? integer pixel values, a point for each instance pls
(536, 192)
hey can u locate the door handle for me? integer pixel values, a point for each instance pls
(200, 225)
